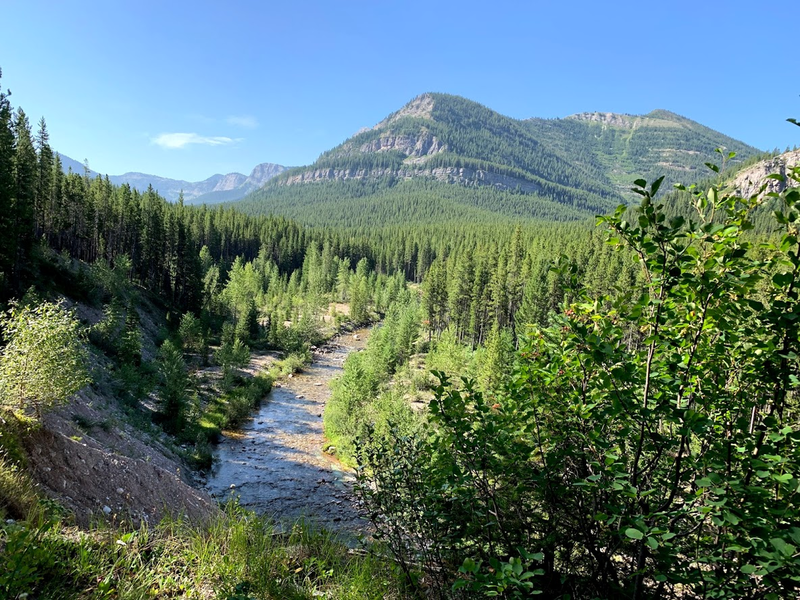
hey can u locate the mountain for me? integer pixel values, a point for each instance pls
(472, 162)
(229, 193)
(628, 147)
(217, 188)
(68, 164)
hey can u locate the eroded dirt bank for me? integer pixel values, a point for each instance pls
(275, 463)
(110, 471)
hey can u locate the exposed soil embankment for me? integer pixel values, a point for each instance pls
(275, 464)
(108, 470)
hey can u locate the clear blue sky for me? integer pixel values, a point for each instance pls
(251, 82)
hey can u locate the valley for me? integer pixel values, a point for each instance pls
(459, 355)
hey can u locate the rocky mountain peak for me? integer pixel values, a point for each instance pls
(265, 171)
(606, 118)
(229, 181)
(420, 107)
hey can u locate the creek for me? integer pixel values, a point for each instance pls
(275, 463)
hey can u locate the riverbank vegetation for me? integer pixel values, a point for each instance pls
(643, 444)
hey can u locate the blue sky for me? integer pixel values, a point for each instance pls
(189, 89)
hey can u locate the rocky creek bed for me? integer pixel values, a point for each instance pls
(275, 464)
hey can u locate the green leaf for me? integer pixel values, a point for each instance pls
(731, 518)
(748, 569)
(782, 547)
(782, 279)
(633, 533)
(655, 185)
(469, 566)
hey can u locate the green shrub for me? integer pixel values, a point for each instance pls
(44, 359)
(646, 445)
(293, 363)
(27, 559)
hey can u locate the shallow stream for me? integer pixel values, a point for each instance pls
(275, 463)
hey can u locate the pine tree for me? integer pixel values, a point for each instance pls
(460, 294)
(44, 177)
(434, 298)
(174, 395)
(7, 186)
(24, 190)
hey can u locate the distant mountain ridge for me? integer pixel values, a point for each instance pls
(217, 188)
(584, 164)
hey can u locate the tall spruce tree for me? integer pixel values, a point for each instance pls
(24, 190)
(7, 185)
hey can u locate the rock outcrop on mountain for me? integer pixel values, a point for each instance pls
(749, 180)
(452, 175)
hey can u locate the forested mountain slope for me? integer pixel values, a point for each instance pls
(623, 148)
(443, 157)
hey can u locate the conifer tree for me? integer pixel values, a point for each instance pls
(24, 188)
(7, 185)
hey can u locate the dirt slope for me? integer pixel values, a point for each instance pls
(107, 469)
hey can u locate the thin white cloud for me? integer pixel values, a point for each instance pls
(246, 121)
(180, 140)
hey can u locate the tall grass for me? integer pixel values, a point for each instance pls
(235, 556)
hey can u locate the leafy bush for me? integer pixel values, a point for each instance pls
(44, 360)
(293, 363)
(27, 558)
(240, 402)
(646, 446)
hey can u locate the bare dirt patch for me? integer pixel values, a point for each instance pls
(86, 458)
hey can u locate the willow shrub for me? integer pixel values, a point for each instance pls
(44, 360)
(646, 446)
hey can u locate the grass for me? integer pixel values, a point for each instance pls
(227, 410)
(18, 498)
(236, 556)
(17, 493)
